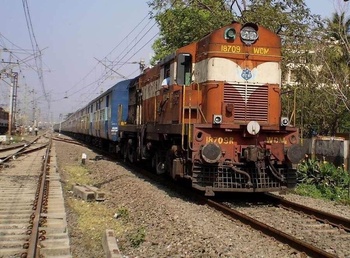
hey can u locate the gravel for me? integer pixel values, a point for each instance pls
(167, 225)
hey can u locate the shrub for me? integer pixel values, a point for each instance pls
(138, 237)
(322, 179)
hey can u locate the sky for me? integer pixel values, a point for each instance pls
(86, 45)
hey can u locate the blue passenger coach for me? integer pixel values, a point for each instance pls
(98, 121)
(119, 107)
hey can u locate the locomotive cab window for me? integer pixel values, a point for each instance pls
(184, 69)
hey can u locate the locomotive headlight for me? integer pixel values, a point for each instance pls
(211, 152)
(230, 33)
(249, 33)
(253, 127)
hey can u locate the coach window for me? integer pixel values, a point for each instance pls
(184, 69)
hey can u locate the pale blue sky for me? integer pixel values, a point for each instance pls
(72, 35)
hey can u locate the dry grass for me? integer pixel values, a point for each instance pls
(76, 175)
(93, 218)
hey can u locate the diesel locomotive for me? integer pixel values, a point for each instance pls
(210, 113)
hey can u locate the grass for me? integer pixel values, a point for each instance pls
(137, 237)
(93, 218)
(326, 193)
(77, 175)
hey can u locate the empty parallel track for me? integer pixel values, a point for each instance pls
(32, 213)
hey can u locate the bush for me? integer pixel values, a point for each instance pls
(322, 180)
(138, 237)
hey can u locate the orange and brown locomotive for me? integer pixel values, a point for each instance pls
(218, 119)
(211, 113)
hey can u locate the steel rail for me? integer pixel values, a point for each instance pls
(33, 250)
(318, 215)
(68, 141)
(21, 150)
(13, 147)
(293, 242)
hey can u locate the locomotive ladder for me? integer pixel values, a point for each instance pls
(189, 107)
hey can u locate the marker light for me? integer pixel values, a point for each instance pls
(230, 33)
(217, 119)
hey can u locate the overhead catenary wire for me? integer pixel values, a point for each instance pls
(13, 51)
(119, 61)
(109, 53)
(36, 50)
(106, 74)
(35, 54)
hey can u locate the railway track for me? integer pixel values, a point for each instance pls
(13, 152)
(309, 222)
(312, 226)
(33, 220)
(310, 231)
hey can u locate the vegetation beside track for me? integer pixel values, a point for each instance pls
(93, 218)
(319, 179)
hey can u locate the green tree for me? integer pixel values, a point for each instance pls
(322, 78)
(336, 69)
(315, 51)
(182, 22)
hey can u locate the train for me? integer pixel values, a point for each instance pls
(4, 121)
(210, 113)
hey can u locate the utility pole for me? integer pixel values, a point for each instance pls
(33, 109)
(59, 130)
(13, 101)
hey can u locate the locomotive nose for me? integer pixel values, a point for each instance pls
(211, 152)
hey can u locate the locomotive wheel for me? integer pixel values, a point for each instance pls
(160, 169)
(124, 152)
(158, 166)
(131, 154)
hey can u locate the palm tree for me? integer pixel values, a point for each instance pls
(339, 28)
(337, 68)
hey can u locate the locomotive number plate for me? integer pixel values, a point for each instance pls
(220, 140)
(230, 49)
(237, 49)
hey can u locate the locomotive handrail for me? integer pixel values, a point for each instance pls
(183, 119)
(198, 109)
(189, 137)
(155, 106)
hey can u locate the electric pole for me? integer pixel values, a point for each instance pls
(13, 101)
